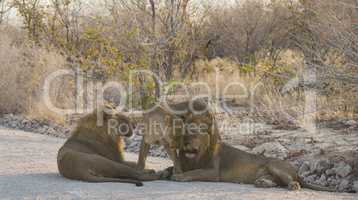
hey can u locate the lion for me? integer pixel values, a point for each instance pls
(203, 160)
(164, 125)
(95, 153)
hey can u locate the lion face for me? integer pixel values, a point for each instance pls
(195, 146)
(197, 138)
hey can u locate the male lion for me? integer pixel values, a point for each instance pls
(202, 161)
(95, 153)
(164, 125)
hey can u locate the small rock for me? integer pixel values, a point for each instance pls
(272, 149)
(242, 148)
(342, 169)
(351, 123)
(322, 180)
(310, 179)
(355, 186)
(344, 186)
(53, 132)
(13, 124)
(332, 181)
(304, 170)
(42, 130)
(330, 172)
(297, 163)
(320, 166)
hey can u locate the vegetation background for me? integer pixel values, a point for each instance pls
(296, 61)
(182, 41)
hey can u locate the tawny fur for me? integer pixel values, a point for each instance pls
(95, 154)
(171, 119)
(224, 163)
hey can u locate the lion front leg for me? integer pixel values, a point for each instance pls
(198, 175)
(173, 155)
(143, 153)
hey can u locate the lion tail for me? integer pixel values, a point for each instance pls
(97, 179)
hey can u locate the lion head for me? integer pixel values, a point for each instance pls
(106, 125)
(200, 141)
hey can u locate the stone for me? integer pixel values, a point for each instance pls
(27, 125)
(304, 170)
(42, 130)
(322, 180)
(344, 185)
(320, 166)
(332, 181)
(330, 172)
(355, 186)
(351, 123)
(51, 131)
(272, 149)
(342, 169)
(242, 148)
(13, 124)
(310, 179)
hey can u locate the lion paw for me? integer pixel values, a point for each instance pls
(265, 183)
(294, 185)
(166, 174)
(180, 178)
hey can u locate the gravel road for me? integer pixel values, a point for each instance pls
(28, 171)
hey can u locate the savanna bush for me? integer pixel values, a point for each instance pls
(23, 69)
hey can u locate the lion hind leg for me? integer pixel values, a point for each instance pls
(284, 176)
(174, 157)
(96, 168)
(102, 167)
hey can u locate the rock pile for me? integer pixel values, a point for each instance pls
(44, 127)
(326, 172)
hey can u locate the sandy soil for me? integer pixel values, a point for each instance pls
(28, 171)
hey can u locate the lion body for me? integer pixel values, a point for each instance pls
(92, 154)
(228, 164)
(171, 119)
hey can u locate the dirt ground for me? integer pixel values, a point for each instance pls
(28, 171)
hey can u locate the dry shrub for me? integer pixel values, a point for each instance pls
(13, 89)
(23, 70)
(260, 96)
(218, 74)
(262, 91)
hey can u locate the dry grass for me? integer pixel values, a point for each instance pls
(22, 72)
(24, 67)
(263, 94)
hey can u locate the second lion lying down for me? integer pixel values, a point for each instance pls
(203, 160)
(95, 154)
